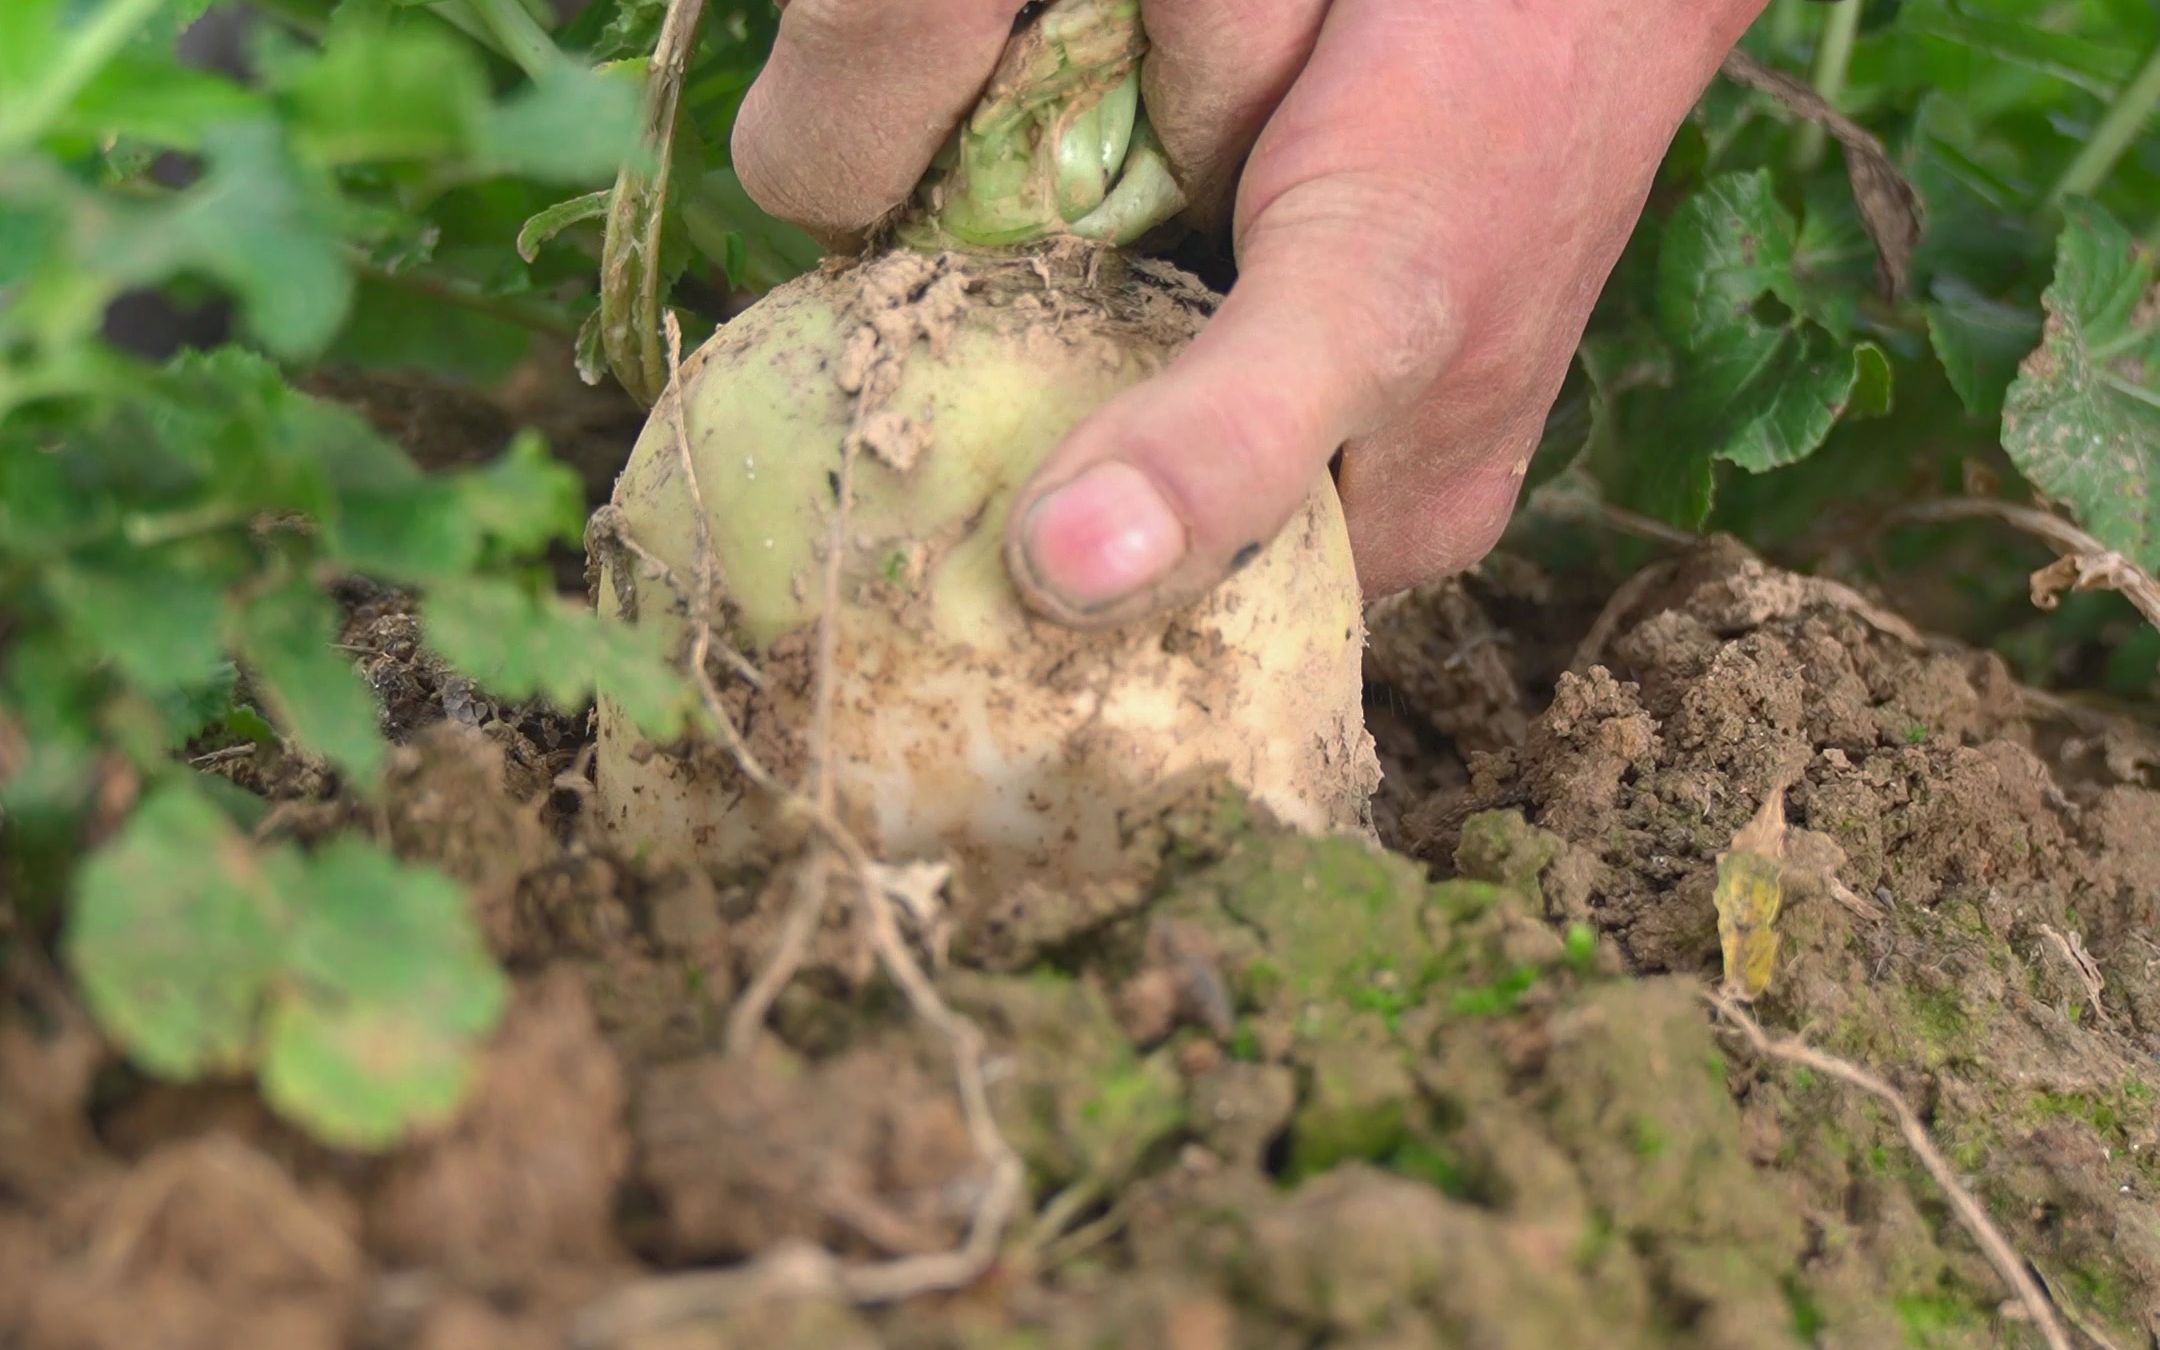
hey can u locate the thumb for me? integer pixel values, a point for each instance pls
(1336, 323)
(1341, 316)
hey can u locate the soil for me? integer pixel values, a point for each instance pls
(1294, 1092)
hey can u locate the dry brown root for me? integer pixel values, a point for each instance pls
(671, 1300)
(2083, 564)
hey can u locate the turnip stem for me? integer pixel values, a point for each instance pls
(630, 267)
(1146, 195)
(459, 15)
(1833, 58)
(2118, 129)
(83, 53)
(520, 36)
(536, 318)
(1059, 145)
(1786, 21)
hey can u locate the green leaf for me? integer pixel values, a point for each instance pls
(229, 423)
(40, 509)
(405, 533)
(441, 527)
(248, 725)
(174, 935)
(158, 621)
(632, 29)
(1567, 431)
(518, 644)
(388, 93)
(590, 350)
(53, 703)
(1872, 382)
(241, 808)
(389, 328)
(288, 636)
(158, 103)
(264, 227)
(188, 708)
(49, 51)
(756, 251)
(2082, 420)
(524, 500)
(257, 222)
(1751, 380)
(360, 987)
(575, 126)
(1833, 260)
(389, 989)
(1980, 343)
(1729, 246)
(29, 43)
(2094, 66)
(1765, 400)
(27, 236)
(173, 18)
(561, 216)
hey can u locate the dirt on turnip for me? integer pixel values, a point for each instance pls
(1285, 1092)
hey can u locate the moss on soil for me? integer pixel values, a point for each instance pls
(1272, 1091)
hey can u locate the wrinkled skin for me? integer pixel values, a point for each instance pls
(1424, 198)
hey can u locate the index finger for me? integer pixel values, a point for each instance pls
(1215, 71)
(856, 99)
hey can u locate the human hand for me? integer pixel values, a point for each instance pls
(1425, 197)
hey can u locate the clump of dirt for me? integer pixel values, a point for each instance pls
(207, 1240)
(864, 1153)
(1459, 668)
(1277, 1091)
(416, 693)
(415, 690)
(528, 1175)
(1993, 955)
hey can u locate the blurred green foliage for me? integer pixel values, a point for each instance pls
(169, 533)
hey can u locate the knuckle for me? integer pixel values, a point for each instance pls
(762, 172)
(1475, 501)
(800, 178)
(835, 129)
(1448, 523)
(1236, 36)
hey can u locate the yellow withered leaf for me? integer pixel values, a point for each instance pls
(1750, 889)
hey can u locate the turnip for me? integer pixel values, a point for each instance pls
(922, 384)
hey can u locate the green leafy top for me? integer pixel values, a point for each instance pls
(2082, 421)
(1060, 143)
(169, 534)
(355, 984)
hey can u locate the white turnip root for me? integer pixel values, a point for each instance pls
(928, 382)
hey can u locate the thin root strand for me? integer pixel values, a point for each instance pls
(798, 1270)
(1975, 1220)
